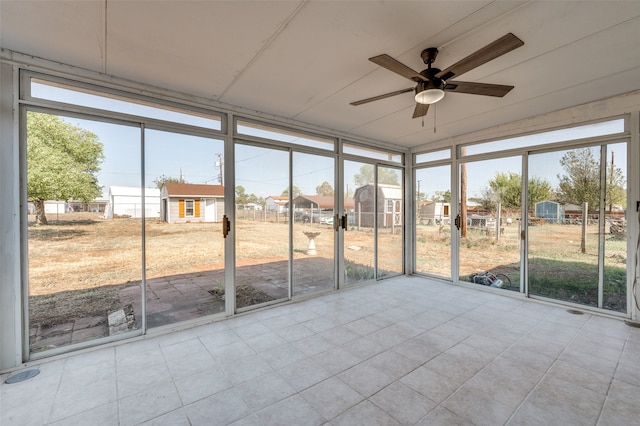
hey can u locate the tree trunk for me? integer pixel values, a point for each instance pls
(41, 218)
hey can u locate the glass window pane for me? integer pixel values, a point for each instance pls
(490, 209)
(84, 230)
(184, 244)
(538, 139)
(359, 243)
(563, 227)
(615, 229)
(390, 221)
(433, 224)
(374, 153)
(444, 154)
(102, 100)
(282, 135)
(262, 225)
(313, 232)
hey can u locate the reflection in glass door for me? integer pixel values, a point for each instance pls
(576, 236)
(262, 225)
(84, 230)
(184, 249)
(433, 221)
(490, 211)
(313, 225)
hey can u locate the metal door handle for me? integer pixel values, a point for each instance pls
(226, 226)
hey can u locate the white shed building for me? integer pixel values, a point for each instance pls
(126, 201)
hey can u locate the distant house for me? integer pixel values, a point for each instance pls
(315, 208)
(252, 206)
(276, 203)
(389, 200)
(185, 202)
(434, 212)
(125, 201)
(320, 202)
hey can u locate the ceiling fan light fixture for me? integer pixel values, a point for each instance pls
(429, 92)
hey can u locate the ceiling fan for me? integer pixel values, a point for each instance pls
(433, 83)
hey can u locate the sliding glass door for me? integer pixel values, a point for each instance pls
(84, 230)
(262, 225)
(313, 223)
(390, 221)
(433, 221)
(577, 236)
(489, 222)
(184, 247)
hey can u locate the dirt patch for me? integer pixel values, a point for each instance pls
(67, 306)
(245, 295)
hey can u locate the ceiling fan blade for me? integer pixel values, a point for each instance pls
(497, 90)
(504, 44)
(421, 110)
(393, 65)
(386, 95)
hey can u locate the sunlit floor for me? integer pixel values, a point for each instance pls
(401, 351)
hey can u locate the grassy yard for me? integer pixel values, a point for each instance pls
(557, 266)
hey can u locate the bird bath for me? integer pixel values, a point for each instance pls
(312, 245)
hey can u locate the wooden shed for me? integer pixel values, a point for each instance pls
(276, 203)
(434, 213)
(186, 202)
(389, 203)
(551, 211)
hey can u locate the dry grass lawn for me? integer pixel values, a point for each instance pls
(78, 263)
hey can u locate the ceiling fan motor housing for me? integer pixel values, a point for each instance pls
(429, 55)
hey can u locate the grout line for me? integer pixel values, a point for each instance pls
(546, 373)
(606, 398)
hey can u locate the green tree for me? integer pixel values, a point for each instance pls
(386, 176)
(296, 192)
(581, 181)
(616, 187)
(539, 190)
(167, 179)
(62, 162)
(241, 195)
(506, 188)
(324, 189)
(442, 196)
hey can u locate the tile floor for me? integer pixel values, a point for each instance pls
(402, 351)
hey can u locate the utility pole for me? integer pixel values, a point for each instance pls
(219, 166)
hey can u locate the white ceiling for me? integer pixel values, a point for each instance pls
(306, 60)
